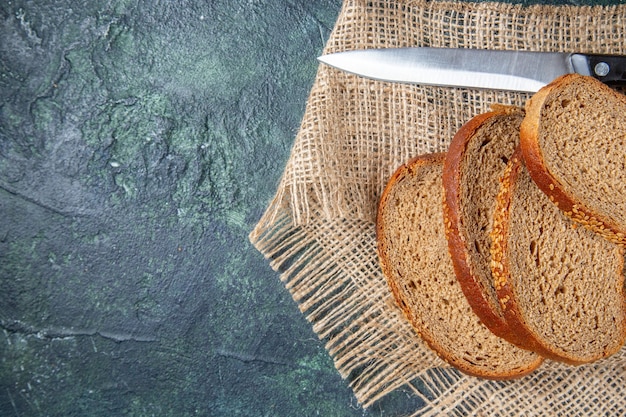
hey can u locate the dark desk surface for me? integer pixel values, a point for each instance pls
(139, 145)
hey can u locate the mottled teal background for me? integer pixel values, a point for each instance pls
(140, 142)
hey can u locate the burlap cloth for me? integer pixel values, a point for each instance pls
(319, 229)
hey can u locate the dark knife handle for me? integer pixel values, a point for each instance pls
(609, 69)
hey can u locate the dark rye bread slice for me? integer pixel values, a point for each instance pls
(415, 261)
(560, 285)
(574, 143)
(476, 158)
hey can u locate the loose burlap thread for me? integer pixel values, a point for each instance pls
(319, 230)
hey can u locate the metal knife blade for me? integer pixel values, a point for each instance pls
(475, 68)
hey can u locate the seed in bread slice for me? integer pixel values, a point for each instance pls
(476, 158)
(562, 286)
(574, 143)
(415, 261)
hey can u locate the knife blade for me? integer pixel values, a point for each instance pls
(524, 71)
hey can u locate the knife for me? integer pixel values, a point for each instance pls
(476, 68)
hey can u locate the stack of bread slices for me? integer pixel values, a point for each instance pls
(508, 248)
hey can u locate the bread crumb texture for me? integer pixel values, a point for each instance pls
(567, 282)
(415, 260)
(485, 157)
(582, 137)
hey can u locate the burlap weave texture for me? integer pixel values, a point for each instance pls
(319, 229)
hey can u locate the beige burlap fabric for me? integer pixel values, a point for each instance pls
(319, 229)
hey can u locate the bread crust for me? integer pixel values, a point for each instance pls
(501, 267)
(545, 180)
(407, 168)
(457, 245)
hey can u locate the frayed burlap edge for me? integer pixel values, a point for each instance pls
(319, 229)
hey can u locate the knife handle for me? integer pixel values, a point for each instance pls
(609, 69)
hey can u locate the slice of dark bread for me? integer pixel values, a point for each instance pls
(574, 143)
(476, 158)
(560, 285)
(415, 261)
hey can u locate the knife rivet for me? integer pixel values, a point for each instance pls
(601, 69)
